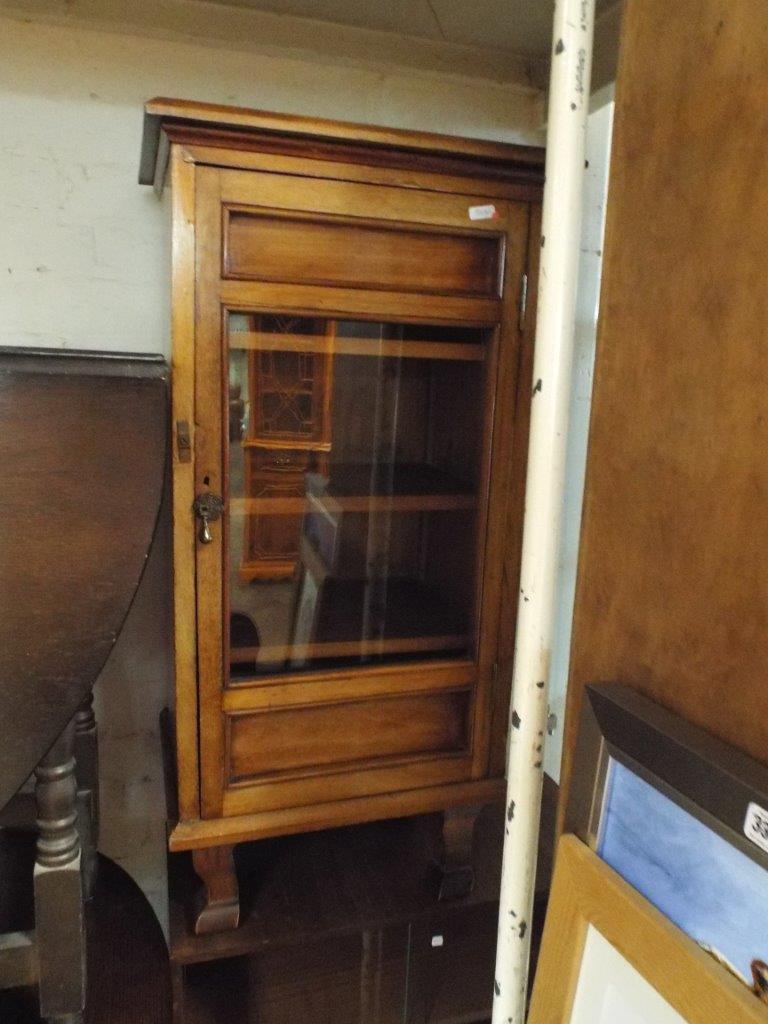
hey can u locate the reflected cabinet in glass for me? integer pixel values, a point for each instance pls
(356, 478)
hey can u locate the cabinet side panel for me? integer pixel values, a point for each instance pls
(183, 383)
(209, 478)
(499, 433)
(520, 399)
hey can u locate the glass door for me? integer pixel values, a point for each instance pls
(356, 464)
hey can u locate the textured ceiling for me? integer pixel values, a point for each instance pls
(518, 26)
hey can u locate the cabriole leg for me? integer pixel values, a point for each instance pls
(456, 866)
(218, 906)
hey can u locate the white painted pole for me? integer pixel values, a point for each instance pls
(558, 273)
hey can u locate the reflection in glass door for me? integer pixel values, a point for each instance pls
(356, 462)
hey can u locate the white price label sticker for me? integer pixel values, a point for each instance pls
(487, 212)
(437, 940)
(756, 826)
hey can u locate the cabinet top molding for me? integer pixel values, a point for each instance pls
(228, 127)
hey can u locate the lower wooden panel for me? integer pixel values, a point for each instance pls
(328, 736)
(359, 780)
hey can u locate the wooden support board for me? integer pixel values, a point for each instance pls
(672, 592)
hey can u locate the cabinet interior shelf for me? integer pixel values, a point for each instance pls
(377, 347)
(414, 618)
(358, 487)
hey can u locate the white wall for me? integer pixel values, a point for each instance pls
(83, 249)
(598, 147)
(84, 263)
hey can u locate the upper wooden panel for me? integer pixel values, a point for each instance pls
(328, 252)
(236, 127)
(672, 594)
(282, 228)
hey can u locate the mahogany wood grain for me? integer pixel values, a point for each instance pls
(279, 740)
(376, 171)
(270, 247)
(499, 429)
(345, 684)
(455, 859)
(266, 194)
(218, 906)
(370, 205)
(83, 449)
(367, 304)
(311, 817)
(209, 476)
(366, 163)
(672, 592)
(365, 778)
(248, 190)
(159, 112)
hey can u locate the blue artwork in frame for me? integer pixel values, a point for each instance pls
(710, 889)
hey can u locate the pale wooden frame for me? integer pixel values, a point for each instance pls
(586, 891)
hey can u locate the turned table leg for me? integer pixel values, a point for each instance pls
(59, 931)
(218, 906)
(87, 770)
(457, 876)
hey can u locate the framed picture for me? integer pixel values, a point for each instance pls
(608, 956)
(683, 818)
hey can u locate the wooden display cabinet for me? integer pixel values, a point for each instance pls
(351, 390)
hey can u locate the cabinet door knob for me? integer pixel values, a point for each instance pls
(208, 508)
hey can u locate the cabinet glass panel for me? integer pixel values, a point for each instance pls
(355, 473)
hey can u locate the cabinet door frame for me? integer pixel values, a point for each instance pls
(214, 296)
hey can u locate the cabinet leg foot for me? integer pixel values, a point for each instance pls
(457, 875)
(217, 908)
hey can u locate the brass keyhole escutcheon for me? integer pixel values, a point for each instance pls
(208, 508)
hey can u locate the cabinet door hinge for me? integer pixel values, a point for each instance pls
(523, 301)
(183, 441)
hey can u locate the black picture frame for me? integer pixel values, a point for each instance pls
(712, 780)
